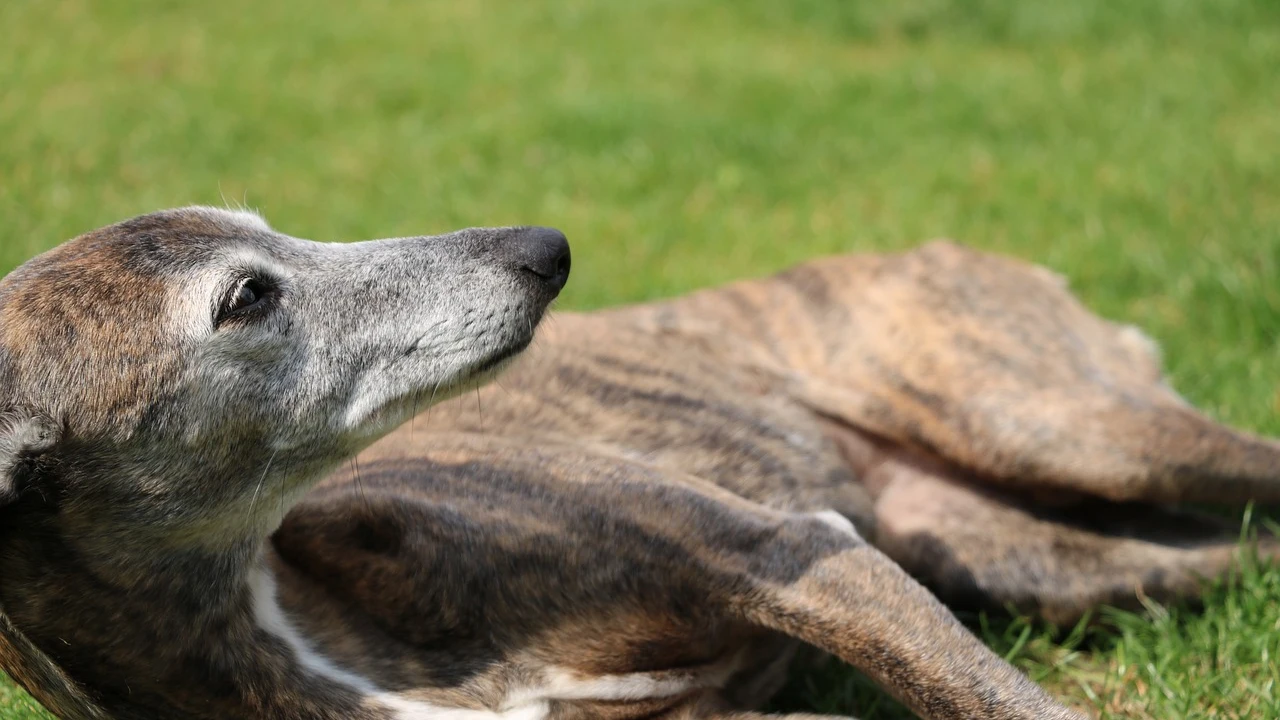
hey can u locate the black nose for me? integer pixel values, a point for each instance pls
(543, 252)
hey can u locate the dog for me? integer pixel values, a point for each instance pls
(246, 475)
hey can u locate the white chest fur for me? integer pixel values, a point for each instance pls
(528, 703)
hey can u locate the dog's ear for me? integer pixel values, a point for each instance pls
(23, 435)
(24, 432)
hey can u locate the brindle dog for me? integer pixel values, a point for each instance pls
(643, 519)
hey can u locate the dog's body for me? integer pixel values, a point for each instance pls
(643, 519)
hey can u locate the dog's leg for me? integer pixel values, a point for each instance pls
(993, 364)
(1059, 557)
(986, 361)
(41, 677)
(860, 606)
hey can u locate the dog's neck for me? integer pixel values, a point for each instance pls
(114, 603)
(100, 552)
(203, 578)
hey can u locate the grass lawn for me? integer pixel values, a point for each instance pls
(1133, 146)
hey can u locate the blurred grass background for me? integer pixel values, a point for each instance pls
(1133, 146)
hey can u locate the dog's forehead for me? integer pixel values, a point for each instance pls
(163, 243)
(97, 305)
(196, 223)
(124, 270)
(176, 241)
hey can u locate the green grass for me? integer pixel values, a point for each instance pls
(1134, 146)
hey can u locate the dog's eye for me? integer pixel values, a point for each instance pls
(245, 297)
(249, 292)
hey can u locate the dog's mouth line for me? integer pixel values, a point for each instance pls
(497, 359)
(470, 377)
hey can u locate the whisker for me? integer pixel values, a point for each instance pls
(413, 419)
(431, 402)
(254, 501)
(282, 510)
(355, 468)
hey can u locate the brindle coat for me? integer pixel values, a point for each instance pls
(635, 522)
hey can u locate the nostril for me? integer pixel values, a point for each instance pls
(563, 263)
(543, 252)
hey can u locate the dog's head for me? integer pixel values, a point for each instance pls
(175, 367)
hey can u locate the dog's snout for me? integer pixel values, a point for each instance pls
(543, 252)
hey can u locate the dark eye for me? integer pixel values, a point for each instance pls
(247, 294)
(244, 298)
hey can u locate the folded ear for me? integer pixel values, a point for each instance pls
(23, 435)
